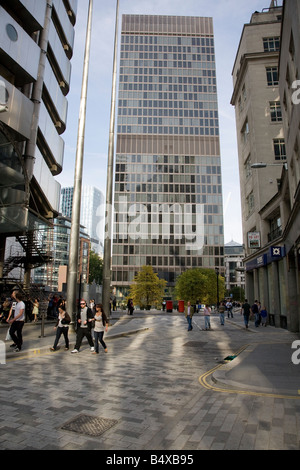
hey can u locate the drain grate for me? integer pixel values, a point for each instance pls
(90, 425)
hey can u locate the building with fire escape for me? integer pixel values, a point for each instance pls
(36, 47)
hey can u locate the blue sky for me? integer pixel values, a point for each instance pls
(229, 16)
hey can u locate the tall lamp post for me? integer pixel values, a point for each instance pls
(109, 183)
(75, 221)
(218, 300)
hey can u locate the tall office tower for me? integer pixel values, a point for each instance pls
(36, 46)
(168, 191)
(91, 213)
(260, 138)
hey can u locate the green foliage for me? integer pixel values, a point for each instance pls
(147, 289)
(199, 284)
(95, 268)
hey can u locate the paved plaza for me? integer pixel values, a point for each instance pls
(159, 387)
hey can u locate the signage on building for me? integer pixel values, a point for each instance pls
(277, 251)
(253, 239)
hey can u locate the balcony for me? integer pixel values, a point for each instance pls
(276, 233)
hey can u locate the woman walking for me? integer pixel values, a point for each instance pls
(62, 327)
(35, 310)
(101, 325)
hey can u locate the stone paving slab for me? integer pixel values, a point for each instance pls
(149, 384)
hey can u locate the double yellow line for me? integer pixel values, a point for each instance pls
(203, 381)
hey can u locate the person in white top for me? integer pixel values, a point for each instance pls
(207, 312)
(16, 320)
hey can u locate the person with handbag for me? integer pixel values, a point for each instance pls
(62, 327)
(100, 326)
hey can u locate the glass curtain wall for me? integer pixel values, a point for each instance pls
(168, 188)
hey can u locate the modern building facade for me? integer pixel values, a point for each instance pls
(234, 268)
(36, 46)
(91, 213)
(57, 241)
(264, 73)
(168, 189)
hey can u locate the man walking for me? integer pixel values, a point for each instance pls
(246, 312)
(17, 321)
(84, 326)
(189, 312)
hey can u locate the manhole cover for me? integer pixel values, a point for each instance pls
(90, 425)
(194, 344)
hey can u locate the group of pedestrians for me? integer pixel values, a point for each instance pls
(226, 307)
(87, 319)
(189, 311)
(260, 314)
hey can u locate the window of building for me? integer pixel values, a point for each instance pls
(248, 170)
(271, 44)
(275, 111)
(250, 203)
(279, 149)
(245, 132)
(272, 76)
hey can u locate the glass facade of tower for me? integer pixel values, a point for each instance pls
(168, 189)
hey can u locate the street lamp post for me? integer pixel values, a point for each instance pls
(264, 165)
(75, 221)
(109, 184)
(218, 300)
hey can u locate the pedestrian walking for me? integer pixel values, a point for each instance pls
(206, 313)
(246, 310)
(264, 316)
(16, 320)
(62, 327)
(255, 311)
(35, 310)
(229, 309)
(189, 312)
(101, 325)
(84, 325)
(222, 309)
(130, 307)
(28, 309)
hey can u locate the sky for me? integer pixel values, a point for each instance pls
(229, 17)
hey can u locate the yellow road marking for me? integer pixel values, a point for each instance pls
(202, 380)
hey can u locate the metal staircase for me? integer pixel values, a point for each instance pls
(35, 252)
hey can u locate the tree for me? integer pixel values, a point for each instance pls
(147, 289)
(199, 284)
(95, 268)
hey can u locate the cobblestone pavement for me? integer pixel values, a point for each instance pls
(146, 393)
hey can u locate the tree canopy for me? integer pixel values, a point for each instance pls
(95, 268)
(199, 285)
(147, 289)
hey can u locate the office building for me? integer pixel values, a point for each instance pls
(91, 213)
(168, 189)
(288, 198)
(57, 241)
(234, 268)
(265, 97)
(36, 47)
